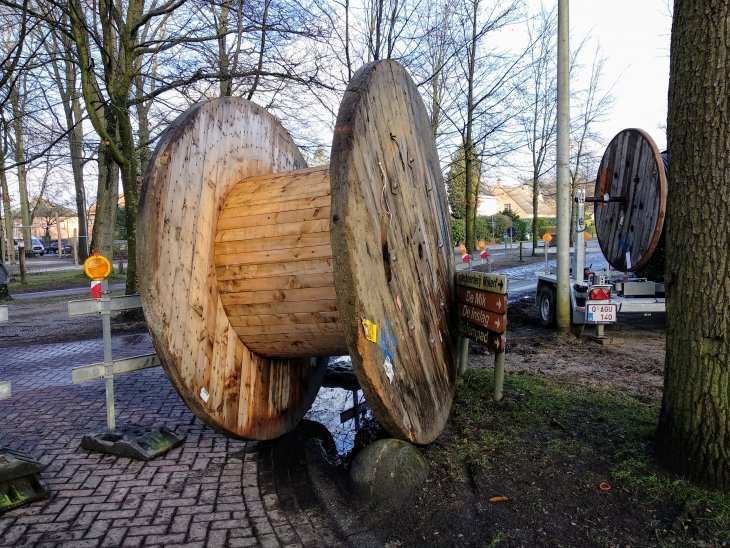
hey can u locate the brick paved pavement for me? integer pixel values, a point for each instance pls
(210, 491)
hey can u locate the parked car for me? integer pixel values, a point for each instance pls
(35, 243)
(52, 247)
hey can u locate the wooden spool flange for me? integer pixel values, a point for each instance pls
(250, 264)
(629, 230)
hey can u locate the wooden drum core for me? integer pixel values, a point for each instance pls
(273, 261)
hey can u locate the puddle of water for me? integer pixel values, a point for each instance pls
(328, 405)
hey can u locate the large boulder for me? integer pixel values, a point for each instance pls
(387, 469)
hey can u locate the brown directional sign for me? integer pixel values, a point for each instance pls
(482, 308)
(489, 339)
(483, 299)
(490, 320)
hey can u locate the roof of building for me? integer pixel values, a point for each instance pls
(520, 200)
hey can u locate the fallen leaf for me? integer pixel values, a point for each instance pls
(498, 499)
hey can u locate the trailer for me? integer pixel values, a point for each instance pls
(630, 205)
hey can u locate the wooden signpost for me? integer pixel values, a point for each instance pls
(482, 317)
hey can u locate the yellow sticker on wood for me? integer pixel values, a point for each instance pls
(371, 330)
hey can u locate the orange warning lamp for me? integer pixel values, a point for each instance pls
(97, 267)
(482, 245)
(547, 237)
(462, 249)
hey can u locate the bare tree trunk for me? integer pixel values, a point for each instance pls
(7, 219)
(693, 436)
(131, 185)
(75, 141)
(226, 80)
(347, 40)
(469, 153)
(65, 73)
(20, 160)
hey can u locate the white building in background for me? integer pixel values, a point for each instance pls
(515, 198)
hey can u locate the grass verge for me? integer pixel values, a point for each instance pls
(559, 441)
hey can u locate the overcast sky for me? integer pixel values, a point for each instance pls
(634, 38)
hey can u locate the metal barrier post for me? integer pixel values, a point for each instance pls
(106, 326)
(138, 442)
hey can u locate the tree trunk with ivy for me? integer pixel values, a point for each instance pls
(106, 203)
(693, 436)
(7, 215)
(119, 36)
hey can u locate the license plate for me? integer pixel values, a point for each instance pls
(601, 313)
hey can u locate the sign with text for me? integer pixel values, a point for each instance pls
(491, 321)
(494, 283)
(482, 299)
(478, 334)
(482, 308)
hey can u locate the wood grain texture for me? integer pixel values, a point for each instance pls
(393, 263)
(276, 294)
(630, 231)
(200, 158)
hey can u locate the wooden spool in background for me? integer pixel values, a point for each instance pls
(250, 264)
(630, 230)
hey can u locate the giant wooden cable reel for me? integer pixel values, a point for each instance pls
(251, 265)
(631, 204)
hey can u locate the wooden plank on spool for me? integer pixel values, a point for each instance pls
(200, 158)
(291, 318)
(630, 231)
(275, 282)
(294, 307)
(276, 296)
(275, 219)
(393, 262)
(283, 243)
(276, 231)
(237, 272)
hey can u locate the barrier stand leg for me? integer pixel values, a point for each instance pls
(463, 355)
(106, 325)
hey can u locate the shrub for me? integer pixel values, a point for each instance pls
(458, 231)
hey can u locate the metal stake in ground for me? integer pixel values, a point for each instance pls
(97, 267)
